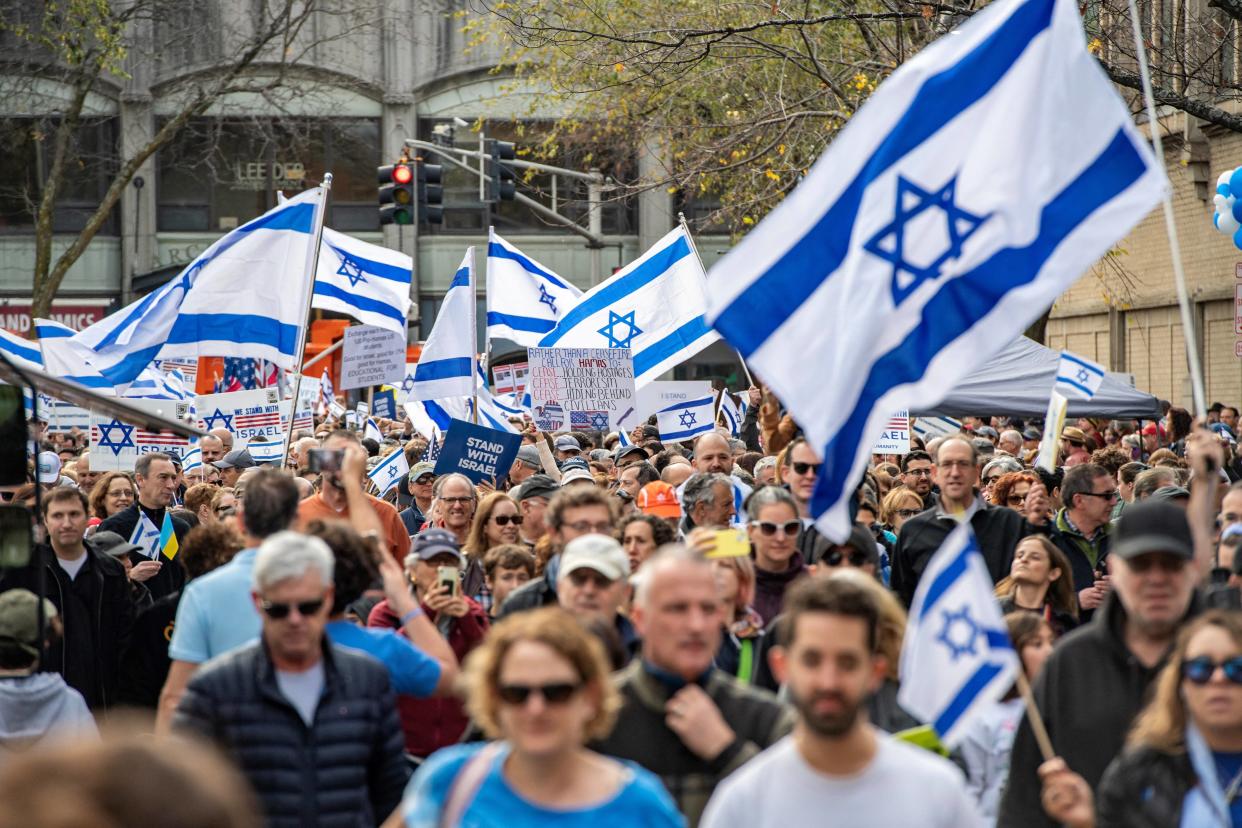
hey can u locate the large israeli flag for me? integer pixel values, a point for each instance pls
(446, 365)
(956, 658)
(365, 281)
(654, 306)
(974, 186)
(524, 298)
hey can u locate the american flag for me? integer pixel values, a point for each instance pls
(239, 374)
(266, 418)
(897, 423)
(588, 420)
(433, 449)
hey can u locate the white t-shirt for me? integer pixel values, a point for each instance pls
(303, 690)
(904, 786)
(72, 567)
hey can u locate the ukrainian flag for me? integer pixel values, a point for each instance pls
(168, 538)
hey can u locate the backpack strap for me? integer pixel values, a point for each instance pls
(467, 783)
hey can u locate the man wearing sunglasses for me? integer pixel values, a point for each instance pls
(311, 725)
(1081, 529)
(420, 482)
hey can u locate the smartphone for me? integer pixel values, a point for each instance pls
(323, 460)
(450, 577)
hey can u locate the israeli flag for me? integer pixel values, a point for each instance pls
(51, 329)
(446, 366)
(491, 413)
(524, 298)
(266, 451)
(372, 430)
(146, 535)
(730, 413)
(365, 281)
(686, 420)
(389, 471)
(956, 659)
(193, 459)
(327, 396)
(21, 351)
(973, 188)
(153, 384)
(654, 306)
(1078, 377)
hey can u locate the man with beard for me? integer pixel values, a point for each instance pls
(837, 768)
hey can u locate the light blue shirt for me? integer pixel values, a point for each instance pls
(411, 671)
(216, 613)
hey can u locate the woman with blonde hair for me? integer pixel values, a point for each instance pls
(898, 506)
(539, 685)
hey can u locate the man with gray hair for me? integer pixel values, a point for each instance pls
(765, 471)
(707, 500)
(144, 521)
(1010, 443)
(312, 726)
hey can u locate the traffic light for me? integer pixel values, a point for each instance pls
(502, 181)
(396, 193)
(430, 191)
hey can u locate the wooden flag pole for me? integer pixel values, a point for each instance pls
(1033, 716)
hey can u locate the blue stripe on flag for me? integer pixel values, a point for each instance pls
(998, 639)
(1087, 392)
(941, 98)
(677, 341)
(947, 578)
(963, 301)
(1091, 369)
(520, 323)
(245, 329)
(374, 268)
(965, 697)
(461, 278)
(438, 415)
(31, 354)
(687, 404)
(498, 251)
(443, 369)
(648, 272)
(355, 300)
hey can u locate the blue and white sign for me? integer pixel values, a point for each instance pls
(477, 452)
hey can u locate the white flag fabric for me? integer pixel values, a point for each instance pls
(372, 430)
(192, 459)
(974, 187)
(389, 471)
(446, 365)
(147, 535)
(64, 356)
(730, 413)
(686, 420)
(1078, 376)
(266, 451)
(654, 306)
(21, 351)
(524, 298)
(365, 281)
(956, 658)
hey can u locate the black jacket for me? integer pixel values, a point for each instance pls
(1071, 542)
(540, 592)
(345, 770)
(1144, 788)
(997, 530)
(144, 667)
(97, 613)
(171, 577)
(1089, 692)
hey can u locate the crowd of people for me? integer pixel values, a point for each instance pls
(621, 631)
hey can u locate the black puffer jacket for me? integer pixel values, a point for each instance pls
(346, 770)
(1144, 788)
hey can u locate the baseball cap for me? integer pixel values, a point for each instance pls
(598, 552)
(422, 468)
(19, 621)
(1032, 434)
(1152, 526)
(1152, 428)
(986, 431)
(567, 443)
(1170, 493)
(575, 463)
(576, 474)
(49, 467)
(624, 450)
(650, 431)
(538, 485)
(431, 543)
(660, 499)
(235, 459)
(530, 456)
(1074, 435)
(599, 455)
(110, 543)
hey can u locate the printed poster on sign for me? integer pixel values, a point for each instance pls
(478, 452)
(115, 444)
(62, 417)
(659, 395)
(511, 378)
(584, 389)
(371, 356)
(895, 439)
(249, 415)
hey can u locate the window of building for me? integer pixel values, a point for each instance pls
(25, 164)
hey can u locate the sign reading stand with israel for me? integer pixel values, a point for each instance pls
(480, 453)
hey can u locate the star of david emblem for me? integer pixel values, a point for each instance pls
(407, 385)
(392, 472)
(218, 419)
(933, 246)
(108, 440)
(599, 422)
(609, 331)
(687, 418)
(959, 633)
(546, 298)
(351, 269)
(1083, 376)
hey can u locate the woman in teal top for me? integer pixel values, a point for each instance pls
(539, 684)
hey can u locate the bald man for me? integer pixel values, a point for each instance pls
(713, 455)
(224, 436)
(213, 448)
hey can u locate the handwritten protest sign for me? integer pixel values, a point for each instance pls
(478, 452)
(584, 389)
(249, 415)
(895, 439)
(371, 356)
(115, 444)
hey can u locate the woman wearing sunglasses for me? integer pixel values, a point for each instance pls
(773, 528)
(1182, 765)
(898, 506)
(539, 685)
(496, 522)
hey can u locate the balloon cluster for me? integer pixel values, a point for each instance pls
(1228, 216)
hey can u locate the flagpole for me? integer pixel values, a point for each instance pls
(1179, 275)
(305, 328)
(681, 219)
(474, 329)
(1033, 717)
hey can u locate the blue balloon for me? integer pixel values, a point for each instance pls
(1223, 189)
(1237, 239)
(1237, 210)
(1235, 181)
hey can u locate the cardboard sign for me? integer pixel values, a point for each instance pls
(895, 439)
(478, 452)
(249, 415)
(371, 356)
(583, 389)
(385, 404)
(115, 444)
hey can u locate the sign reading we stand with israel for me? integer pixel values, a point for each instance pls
(115, 444)
(249, 415)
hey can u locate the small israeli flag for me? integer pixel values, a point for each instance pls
(192, 459)
(957, 658)
(686, 420)
(1078, 377)
(266, 451)
(372, 430)
(389, 471)
(147, 535)
(730, 413)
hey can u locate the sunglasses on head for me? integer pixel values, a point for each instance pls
(555, 693)
(278, 611)
(804, 468)
(1200, 670)
(505, 520)
(836, 556)
(768, 528)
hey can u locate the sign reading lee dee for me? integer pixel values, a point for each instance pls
(895, 439)
(478, 452)
(584, 389)
(371, 356)
(249, 415)
(116, 444)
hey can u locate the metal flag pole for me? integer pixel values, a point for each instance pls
(681, 219)
(1179, 275)
(326, 186)
(474, 329)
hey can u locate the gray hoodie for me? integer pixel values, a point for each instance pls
(32, 707)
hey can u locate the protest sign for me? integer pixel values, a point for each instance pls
(385, 404)
(187, 366)
(115, 444)
(371, 356)
(249, 415)
(478, 452)
(657, 396)
(584, 389)
(511, 378)
(895, 439)
(61, 416)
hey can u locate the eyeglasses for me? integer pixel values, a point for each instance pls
(505, 520)
(225, 511)
(806, 468)
(836, 556)
(585, 527)
(1109, 496)
(918, 472)
(989, 481)
(305, 608)
(907, 513)
(456, 500)
(766, 527)
(1164, 562)
(556, 693)
(1200, 670)
(1015, 499)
